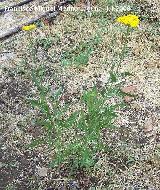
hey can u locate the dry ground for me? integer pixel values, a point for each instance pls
(133, 161)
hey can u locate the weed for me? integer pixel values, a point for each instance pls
(75, 135)
(82, 127)
(45, 43)
(80, 54)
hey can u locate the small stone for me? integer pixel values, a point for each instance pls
(128, 98)
(42, 171)
(136, 106)
(129, 89)
(148, 126)
(74, 185)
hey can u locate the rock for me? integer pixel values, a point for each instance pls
(148, 126)
(42, 171)
(128, 98)
(74, 185)
(129, 89)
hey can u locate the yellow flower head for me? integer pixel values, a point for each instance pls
(130, 20)
(29, 27)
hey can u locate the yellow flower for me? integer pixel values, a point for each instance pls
(29, 27)
(130, 20)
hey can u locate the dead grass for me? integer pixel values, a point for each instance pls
(133, 159)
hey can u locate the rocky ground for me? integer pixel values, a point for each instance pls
(133, 161)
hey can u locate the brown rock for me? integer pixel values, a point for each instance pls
(148, 126)
(129, 89)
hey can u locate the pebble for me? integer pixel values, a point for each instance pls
(42, 171)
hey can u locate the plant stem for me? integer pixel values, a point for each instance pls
(123, 49)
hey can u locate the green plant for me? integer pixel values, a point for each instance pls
(80, 54)
(82, 127)
(45, 43)
(75, 136)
